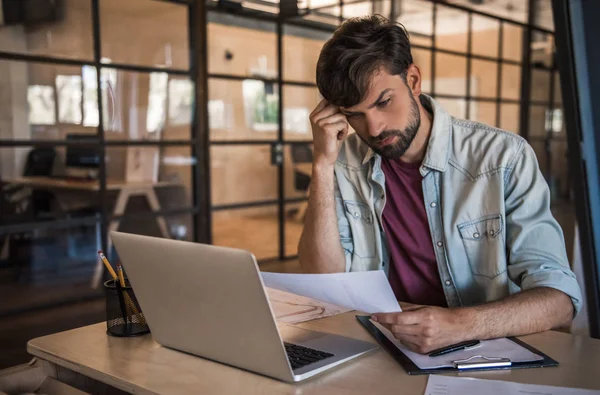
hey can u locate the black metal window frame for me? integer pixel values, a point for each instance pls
(524, 102)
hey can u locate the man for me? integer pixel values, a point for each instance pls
(457, 213)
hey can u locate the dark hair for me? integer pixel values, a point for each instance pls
(358, 48)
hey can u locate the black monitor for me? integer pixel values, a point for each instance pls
(84, 156)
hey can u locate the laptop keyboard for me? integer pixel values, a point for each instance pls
(301, 356)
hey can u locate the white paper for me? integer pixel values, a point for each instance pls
(449, 385)
(369, 291)
(293, 309)
(497, 348)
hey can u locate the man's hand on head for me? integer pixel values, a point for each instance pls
(424, 329)
(329, 128)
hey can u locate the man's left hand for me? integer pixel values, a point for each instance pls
(424, 329)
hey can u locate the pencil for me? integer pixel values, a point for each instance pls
(128, 299)
(120, 274)
(107, 264)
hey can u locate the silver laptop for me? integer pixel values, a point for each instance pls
(210, 301)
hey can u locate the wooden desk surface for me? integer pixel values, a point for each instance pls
(85, 185)
(139, 365)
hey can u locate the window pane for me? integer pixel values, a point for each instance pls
(539, 147)
(451, 29)
(242, 174)
(511, 82)
(242, 47)
(422, 58)
(515, 10)
(454, 107)
(416, 16)
(540, 85)
(146, 106)
(298, 169)
(243, 110)
(67, 36)
(69, 92)
(48, 264)
(484, 78)
(542, 48)
(509, 117)
(156, 33)
(35, 187)
(358, 10)
(559, 181)
(383, 7)
(301, 51)
(485, 36)
(108, 82)
(313, 4)
(537, 121)
(299, 103)
(450, 74)
(252, 229)
(557, 90)
(294, 223)
(512, 42)
(484, 112)
(162, 177)
(543, 14)
(42, 101)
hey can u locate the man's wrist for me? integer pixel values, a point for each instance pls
(320, 168)
(470, 325)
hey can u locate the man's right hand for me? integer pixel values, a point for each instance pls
(329, 128)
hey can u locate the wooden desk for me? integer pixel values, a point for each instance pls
(125, 191)
(141, 366)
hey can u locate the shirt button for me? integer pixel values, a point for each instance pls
(433, 204)
(476, 235)
(439, 244)
(356, 215)
(447, 282)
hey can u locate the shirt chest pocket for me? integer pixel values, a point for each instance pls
(362, 225)
(483, 240)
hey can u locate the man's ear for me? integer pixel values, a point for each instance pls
(413, 79)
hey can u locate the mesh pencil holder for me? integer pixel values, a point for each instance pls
(124, 318)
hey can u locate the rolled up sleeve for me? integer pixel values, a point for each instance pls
(535, 241)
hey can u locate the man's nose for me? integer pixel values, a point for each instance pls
(375, 127)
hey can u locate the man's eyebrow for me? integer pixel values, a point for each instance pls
(372, 105)
(380, 97)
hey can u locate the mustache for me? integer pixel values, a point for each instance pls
(386, 134)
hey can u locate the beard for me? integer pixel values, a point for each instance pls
(405, 137)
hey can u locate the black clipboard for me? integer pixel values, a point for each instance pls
(413, 369)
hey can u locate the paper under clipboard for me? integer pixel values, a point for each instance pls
(505, 353)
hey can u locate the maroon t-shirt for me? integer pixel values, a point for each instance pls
(413, 271)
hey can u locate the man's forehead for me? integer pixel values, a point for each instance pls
(380, 82)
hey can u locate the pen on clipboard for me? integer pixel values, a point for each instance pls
(454, 347)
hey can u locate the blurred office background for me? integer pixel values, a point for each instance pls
(191, 121)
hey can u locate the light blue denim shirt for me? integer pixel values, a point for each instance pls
(488, 208)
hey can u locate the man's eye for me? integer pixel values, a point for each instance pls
(383, 104)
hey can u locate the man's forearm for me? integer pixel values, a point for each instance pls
(320, 250)
(531, 311)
